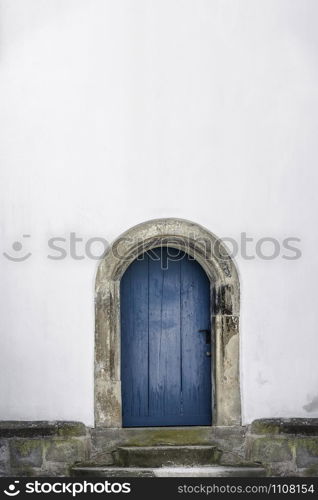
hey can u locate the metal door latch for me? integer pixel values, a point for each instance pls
(208, 335)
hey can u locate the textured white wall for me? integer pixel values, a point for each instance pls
(116, 112)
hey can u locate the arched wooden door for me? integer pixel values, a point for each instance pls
(165, 341)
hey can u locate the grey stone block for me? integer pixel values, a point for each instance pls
(300, 426)
(306, 452)
(281, 469)
(269, 449)
(26, 452)
(231, 440)
(4, 457)
(68, 451)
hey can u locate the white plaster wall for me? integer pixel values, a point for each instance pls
(115, 112)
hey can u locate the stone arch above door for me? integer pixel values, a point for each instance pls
(209, 251)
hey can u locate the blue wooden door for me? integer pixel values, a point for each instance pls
(165, 359)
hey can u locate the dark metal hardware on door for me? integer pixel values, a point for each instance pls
(208, 335)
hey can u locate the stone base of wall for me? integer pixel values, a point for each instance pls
(42, 448)
(284, 447)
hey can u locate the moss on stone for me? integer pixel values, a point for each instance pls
(41, 428)
(26, 452)
(71, 429)
(26, 446)
(295, 426)
(170, 436)
(265, 426)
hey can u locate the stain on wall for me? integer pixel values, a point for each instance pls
(312, 406)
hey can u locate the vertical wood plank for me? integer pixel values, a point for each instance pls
(195, 316)
(164, 335)
(134, 339)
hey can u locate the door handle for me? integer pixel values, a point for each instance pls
(207, 335)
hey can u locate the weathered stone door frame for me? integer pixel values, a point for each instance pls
(208, 250)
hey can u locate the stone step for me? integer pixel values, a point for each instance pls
(158, 456)
(231, 440)
(203, 471)
(166, 436)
